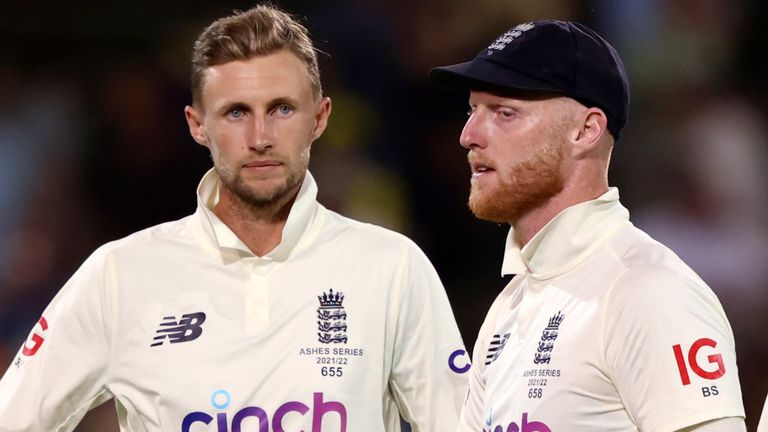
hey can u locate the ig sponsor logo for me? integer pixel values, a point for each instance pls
(523, 426)
(221, 399)
(36, 339)
(710, 373)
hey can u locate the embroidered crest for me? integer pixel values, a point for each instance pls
(502, 41)
(332, 324)
(547, 341)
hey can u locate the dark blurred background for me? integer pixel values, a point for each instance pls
(93, 142)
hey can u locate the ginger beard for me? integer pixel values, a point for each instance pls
(522, 187)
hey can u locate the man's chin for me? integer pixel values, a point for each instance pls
(490, 209)
(258, 194)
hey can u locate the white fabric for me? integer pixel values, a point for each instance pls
(728, 424)
(258, 362)
(583, 338)
(763, 425)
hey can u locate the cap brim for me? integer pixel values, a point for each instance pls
(486, 73)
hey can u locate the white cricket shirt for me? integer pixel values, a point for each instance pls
(762, 426)
(340, 328)
(602, 329)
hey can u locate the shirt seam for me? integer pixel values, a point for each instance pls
(112, 315)
(697, 418)
(603, 336)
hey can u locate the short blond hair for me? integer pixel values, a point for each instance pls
(263, 30)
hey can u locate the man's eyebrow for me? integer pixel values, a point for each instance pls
(235, 105)
(283, 100)
(242, 106)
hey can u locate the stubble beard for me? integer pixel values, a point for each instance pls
(259, 199)
(232, 180)
(521, 188)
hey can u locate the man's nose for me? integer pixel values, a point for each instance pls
(260, 137)
(472, 134)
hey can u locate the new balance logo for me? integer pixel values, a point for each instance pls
(497, 345)
(188, 328)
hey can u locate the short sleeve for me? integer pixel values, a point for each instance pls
(59, 372)
(429, 369)
(669, 350)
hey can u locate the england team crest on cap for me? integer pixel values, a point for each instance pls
(332, 318)
(509, 36)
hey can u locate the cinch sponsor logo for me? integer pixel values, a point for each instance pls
(714, 359)
(220, 400)
(37, 339)
(524, 426)
(455, 367)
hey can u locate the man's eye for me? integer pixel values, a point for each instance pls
(471, 110)
(284, 109)
(506, 113)
(236, 113)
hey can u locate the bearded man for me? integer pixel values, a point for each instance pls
(602, 328)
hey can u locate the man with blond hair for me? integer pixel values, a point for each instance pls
(261, 311)
(602, 328)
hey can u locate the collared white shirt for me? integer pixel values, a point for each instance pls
(601, 329)
(342, 327)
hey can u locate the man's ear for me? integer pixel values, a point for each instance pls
(321, 117)
(196, 125)
(593, 126)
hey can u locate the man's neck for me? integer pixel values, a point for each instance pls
(260, 228)
(529, 224)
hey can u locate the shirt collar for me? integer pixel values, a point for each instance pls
(300, 218)
(567, 239)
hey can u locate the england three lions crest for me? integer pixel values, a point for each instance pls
(547, 342)
(332, 318)
(502, 41)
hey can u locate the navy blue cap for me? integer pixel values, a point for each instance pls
(551, 56)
